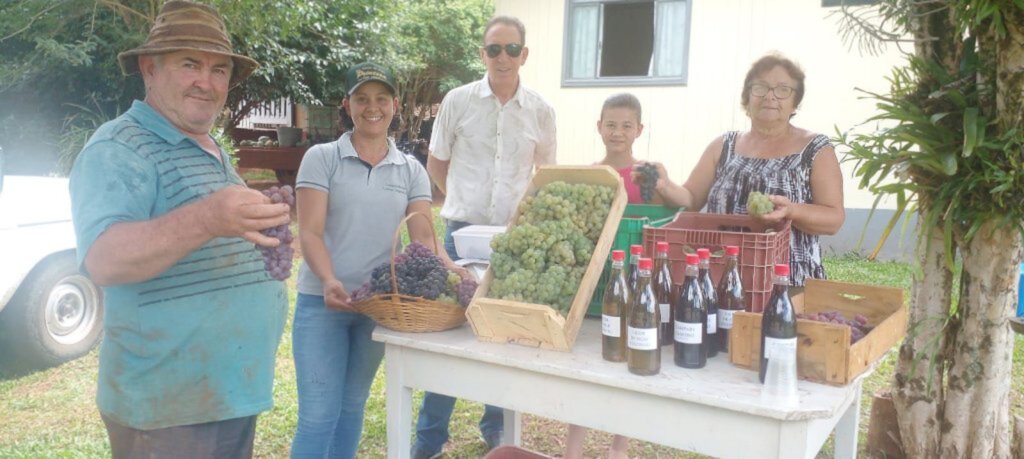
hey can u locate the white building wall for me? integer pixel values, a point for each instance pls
(726, 37)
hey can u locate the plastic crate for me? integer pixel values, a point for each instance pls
(513, 452)
(634, 218)
(759, 250)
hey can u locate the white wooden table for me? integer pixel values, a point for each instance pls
(716, 410)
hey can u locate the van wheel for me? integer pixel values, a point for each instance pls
(56, 315)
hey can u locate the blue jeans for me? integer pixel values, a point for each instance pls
(335, 363)
(436, 412)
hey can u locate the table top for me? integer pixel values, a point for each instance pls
(718, 384)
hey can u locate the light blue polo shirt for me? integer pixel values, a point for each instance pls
(196, 343)
(364, 206)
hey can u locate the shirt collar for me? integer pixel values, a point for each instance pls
(394, 156)
(484, 91)
(155, 122)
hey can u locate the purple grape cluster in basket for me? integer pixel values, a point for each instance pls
(858, 326)
(418, 272)
(278, 260)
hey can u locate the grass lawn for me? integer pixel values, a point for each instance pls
(52, 413)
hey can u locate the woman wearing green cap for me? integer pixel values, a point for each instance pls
(352, 194)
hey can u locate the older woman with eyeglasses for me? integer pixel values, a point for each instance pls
(797, 168)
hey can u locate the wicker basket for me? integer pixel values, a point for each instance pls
(406, 313)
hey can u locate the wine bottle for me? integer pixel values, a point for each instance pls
(778, 322)
(710, 300)
(663, 291)
(613, 311)
(643, 355)
(691, 322)
(635, 252)
(730, 296)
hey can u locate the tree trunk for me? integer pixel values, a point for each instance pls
(1010, 72)
(917, 384)
(977, 408)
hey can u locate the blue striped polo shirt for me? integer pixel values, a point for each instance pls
(196, 343)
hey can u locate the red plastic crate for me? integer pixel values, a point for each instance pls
(513, 452)
(759, 251)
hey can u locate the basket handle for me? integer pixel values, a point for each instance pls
(394, 243)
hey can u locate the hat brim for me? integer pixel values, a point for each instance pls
(243, 66)
(394, 91)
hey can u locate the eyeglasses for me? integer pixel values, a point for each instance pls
(512, 49)
(781, 92)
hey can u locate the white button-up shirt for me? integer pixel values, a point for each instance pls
(492, 149)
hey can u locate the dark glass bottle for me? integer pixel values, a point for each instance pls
(691, 324)
(707, 287)
(778, 321)
(643, 354)
(663, 291)
(635, 252)
(730, 296)
(614, 311)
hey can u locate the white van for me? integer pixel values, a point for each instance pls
(49, 312)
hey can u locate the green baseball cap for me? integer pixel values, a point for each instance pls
(369, 71)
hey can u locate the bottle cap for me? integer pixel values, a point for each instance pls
(636, 249)
(704, 254)
(661, 247)
(692, 259)
(645, 263)
(618, 255)
(781, 270)
(732, 250)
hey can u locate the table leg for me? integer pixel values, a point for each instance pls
(399, 405)
(512, 425)
(846, 429)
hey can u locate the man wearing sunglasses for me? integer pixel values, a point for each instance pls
(488, 138)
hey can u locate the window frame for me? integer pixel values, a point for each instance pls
(599, 81)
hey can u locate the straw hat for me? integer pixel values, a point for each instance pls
(183, 25)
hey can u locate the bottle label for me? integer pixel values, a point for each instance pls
(610, 326)
(688, 333)
(642, 339)
(779, 348)
(725, 318)
(665, 314)
(712, 323)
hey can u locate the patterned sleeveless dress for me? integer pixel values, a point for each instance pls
(736, 176)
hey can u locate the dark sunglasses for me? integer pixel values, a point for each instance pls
(512, 49)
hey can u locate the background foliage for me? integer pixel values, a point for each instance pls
(59, 75)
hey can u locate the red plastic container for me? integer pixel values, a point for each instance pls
(759, 250)
(513, 452)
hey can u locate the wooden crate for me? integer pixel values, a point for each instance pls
(824, 352)
(540, 325)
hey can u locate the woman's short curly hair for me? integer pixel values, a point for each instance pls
(765, 64)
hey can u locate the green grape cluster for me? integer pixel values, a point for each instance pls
(759, 204)
(542, 258)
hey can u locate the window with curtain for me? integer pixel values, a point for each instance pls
(626, 42)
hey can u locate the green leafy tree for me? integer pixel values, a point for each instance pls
(433, 49)
(60, 70)
(950, 146)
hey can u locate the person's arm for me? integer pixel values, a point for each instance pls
(130, 252)
(825, 214)
(312, 210)
(438, 171)
(546, 150)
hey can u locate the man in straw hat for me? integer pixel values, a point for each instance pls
(167, 227)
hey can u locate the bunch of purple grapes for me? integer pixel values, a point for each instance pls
(648, 180)
(858, 326)
(418, 272)
(278, 260)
